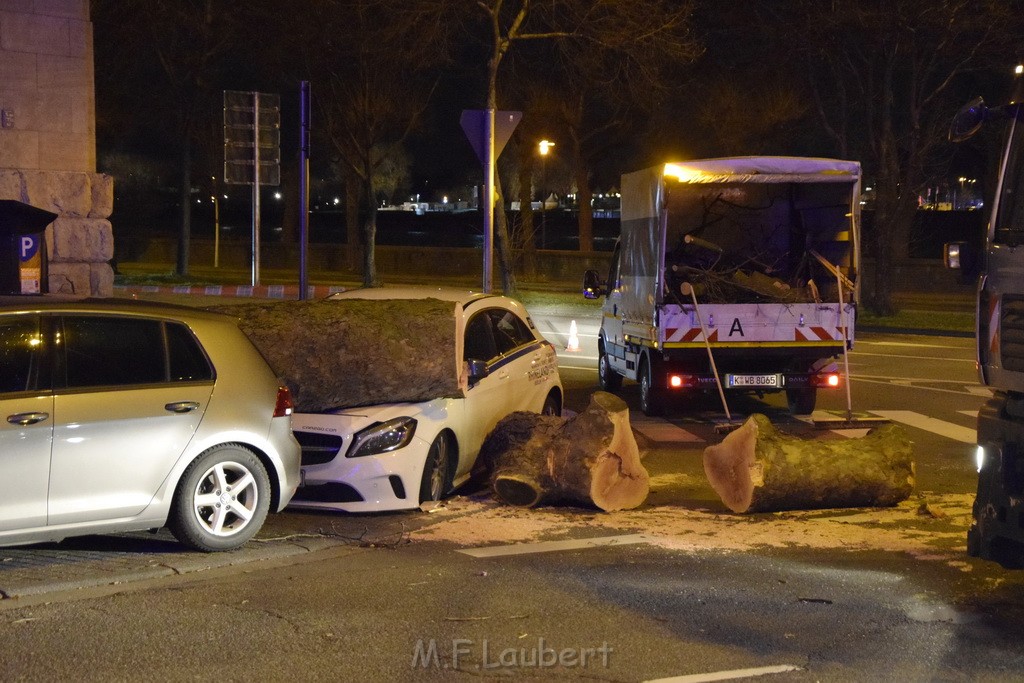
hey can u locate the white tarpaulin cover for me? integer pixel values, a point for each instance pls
(772, 210)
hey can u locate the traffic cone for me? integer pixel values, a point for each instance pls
(574, 341)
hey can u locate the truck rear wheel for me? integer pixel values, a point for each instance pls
(607, 379)
(650, 398)
(801, 401)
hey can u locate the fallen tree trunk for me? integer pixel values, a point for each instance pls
(591, 458)
(758, 469)
(354, 352)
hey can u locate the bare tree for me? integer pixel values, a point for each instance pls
(372, 66)
(886, 77)
(640, 35)
(183, 43)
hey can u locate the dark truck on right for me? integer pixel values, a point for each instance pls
(997, 532)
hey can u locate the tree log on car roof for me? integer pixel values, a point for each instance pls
(349, 353)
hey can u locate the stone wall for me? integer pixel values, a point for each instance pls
(48, 137)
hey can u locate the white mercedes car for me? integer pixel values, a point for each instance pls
(396, 456)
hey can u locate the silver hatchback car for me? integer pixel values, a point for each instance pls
(124, 415)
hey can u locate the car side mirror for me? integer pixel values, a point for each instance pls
(477, 370)
(592, 285)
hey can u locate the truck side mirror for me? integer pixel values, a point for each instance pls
(968, 120)
(592, 285)
(963, 257)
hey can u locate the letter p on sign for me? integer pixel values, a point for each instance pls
(28, 247)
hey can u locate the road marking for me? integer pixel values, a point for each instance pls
(554, 546)
(969, 413)
(662, 431)
(852, 433)
(730, 675)
(855, 354)
(577, 367)
(910, 344)
(930, 424)
(869, 379)
(979, 390)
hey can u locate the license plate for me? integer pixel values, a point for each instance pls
(752, 380)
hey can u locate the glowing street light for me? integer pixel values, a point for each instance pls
(544, 146)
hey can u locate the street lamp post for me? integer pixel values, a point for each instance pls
(544, 147)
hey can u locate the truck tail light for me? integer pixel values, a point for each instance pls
(678, 381)
(830, 380)
(285, 405)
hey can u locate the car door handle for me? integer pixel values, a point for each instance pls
(26, 419)
(182, 406)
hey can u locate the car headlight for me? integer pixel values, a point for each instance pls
(383, 437)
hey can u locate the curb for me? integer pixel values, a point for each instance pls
(257, 292)
(99, 573)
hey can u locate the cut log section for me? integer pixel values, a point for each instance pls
(590, 458)
(758, 469)
(354, 352)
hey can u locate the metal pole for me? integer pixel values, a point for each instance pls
(687, 288)
(304, 190)
(543, 202)
(488, 198)
(216, 230)
(255, 189)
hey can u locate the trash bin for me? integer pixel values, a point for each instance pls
(23, 247)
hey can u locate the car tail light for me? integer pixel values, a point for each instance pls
(285, 405)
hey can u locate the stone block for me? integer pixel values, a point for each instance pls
(72, 9)
(68, 151)
(34, 33)
(68, 194)
(61, 71)
(102, 195)
(10, 184)
(101, 279)
(81, 240)
(20, 5)
(17, 70)
(19, 148)
(70, 278)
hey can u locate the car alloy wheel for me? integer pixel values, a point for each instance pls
(222, 499)
(434, 484)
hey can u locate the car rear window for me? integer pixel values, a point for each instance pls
(117, 351)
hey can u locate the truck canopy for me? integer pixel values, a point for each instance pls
(739, 230)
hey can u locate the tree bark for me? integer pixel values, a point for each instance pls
(758, 469)
(354, 352)
(592, 458)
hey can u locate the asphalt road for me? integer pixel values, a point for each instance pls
(477, 591)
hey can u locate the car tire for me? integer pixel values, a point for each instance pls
(222, 499)
(801, 401)
(434, 484)
(650, 398)
(552, 405)
(607, 379)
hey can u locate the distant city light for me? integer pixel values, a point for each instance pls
(1019, 70)
(337, 201)
(277, 195)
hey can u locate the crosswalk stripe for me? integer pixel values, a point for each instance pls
(930, 424)
(661, 430)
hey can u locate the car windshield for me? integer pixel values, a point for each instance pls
(1009, 223)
